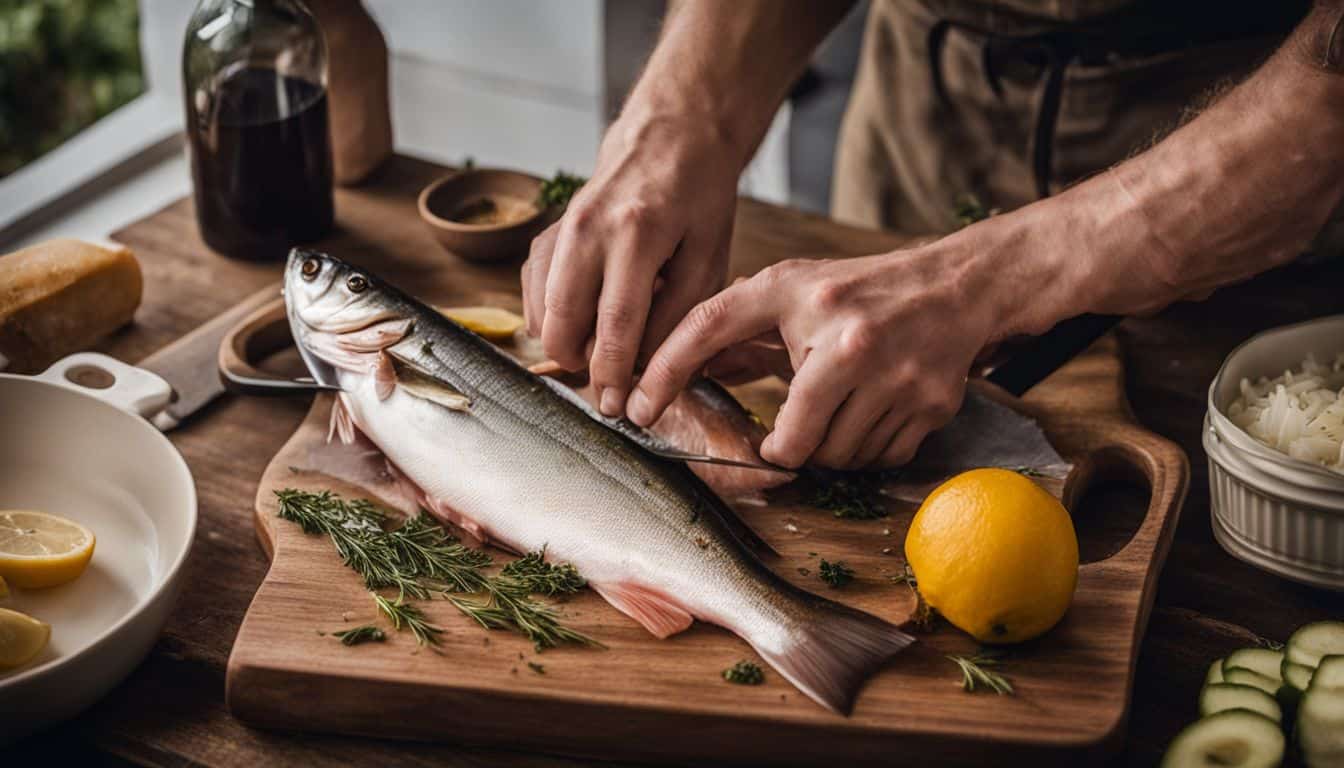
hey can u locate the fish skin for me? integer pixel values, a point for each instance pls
(529, 470)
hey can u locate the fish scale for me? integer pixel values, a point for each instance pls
(530, 470)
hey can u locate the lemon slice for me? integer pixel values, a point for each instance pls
(492, 323)
(21, 638)
(41, 550)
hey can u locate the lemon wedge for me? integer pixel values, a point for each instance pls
(42, 550)
(21, 638)
(492, 323)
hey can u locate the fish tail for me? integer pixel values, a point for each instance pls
(831, 657)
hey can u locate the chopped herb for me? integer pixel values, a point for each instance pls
(975, 677)
(543, 578)
(535, 667)
(744, 673)
(427, 348)
(836, 574)
(365, 634)
(1026, 471)
(804, 572)
(556, 191)
(410, 617)
(853, 498)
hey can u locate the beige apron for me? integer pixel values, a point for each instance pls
(999, 129)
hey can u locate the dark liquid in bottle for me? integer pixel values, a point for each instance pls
(261, 163)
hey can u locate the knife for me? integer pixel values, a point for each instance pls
(190, 366)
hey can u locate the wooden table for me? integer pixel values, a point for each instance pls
(171, 710)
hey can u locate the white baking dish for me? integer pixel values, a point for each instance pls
(89, 455)
(1269, 509)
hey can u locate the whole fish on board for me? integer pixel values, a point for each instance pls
(510, 458)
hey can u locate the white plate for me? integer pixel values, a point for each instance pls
(88, 455)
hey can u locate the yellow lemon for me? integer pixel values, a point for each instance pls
(41, 550)
(995, 554)
(492, 323)
(21, 638)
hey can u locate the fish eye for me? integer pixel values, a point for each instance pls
(357, 283)
(310, 268)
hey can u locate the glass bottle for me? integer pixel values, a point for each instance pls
(255, 82)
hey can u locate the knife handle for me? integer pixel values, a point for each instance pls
(263, 332)
(1043, 355)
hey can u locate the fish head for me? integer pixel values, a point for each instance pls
(338, 313)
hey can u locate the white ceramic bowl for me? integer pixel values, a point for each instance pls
(89, 455)
(1269, 509)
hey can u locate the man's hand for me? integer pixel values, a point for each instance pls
(880, 347)
(643, 241)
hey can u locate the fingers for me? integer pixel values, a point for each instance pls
(815, 394)
(627, 290)
(688, 278)
(535, 270)
(853, 423)
(735, 314)
(902, 449)
(751, 360)
(879, 437)
(572, 287)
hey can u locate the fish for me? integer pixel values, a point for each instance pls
(503, 454)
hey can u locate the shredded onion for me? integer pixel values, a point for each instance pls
(1300, 413)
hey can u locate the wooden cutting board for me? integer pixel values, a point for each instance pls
(665, 701)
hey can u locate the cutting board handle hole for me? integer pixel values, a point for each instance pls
(90, 376)
(1108, 496)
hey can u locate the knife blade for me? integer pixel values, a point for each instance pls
(189, 364)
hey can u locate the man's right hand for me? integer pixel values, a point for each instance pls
(642, 242)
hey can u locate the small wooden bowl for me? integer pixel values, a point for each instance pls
(443, 198)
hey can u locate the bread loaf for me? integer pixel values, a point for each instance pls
(60, 297)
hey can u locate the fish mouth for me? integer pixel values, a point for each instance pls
(315, 299)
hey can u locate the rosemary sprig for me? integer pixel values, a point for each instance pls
(836, 574)
(507, 606)
(974, 676)
(744, 673)
(424, 548)
(533, 573)
(365, 634)
(403, 615)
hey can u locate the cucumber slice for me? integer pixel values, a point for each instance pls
(1242, 676)
(1320, 725)
(1221, 697)
(1215, 673)
(1235, 738)
(1313, 641)
(1262, 661)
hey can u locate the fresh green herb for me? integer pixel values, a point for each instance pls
(836, 574)
(365, 634)
(975, 677)
(420, 560)
(744, 673)
(507, 606)
(967, 209)
(556, 191)
(540, 577)
(535, 667)
(852, 498)
(410, 617)
(1026, 471)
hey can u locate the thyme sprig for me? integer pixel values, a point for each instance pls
(975, 677)
(837, 574)
(402, 614)
(363, 634)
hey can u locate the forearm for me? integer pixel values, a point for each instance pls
(726, 67)
(1242, 188)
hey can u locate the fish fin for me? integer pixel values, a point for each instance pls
(830, 657)
(418, 384)
(384, 377)
(446, 514)
(342, 424)
(656, 612)
(375, 337)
